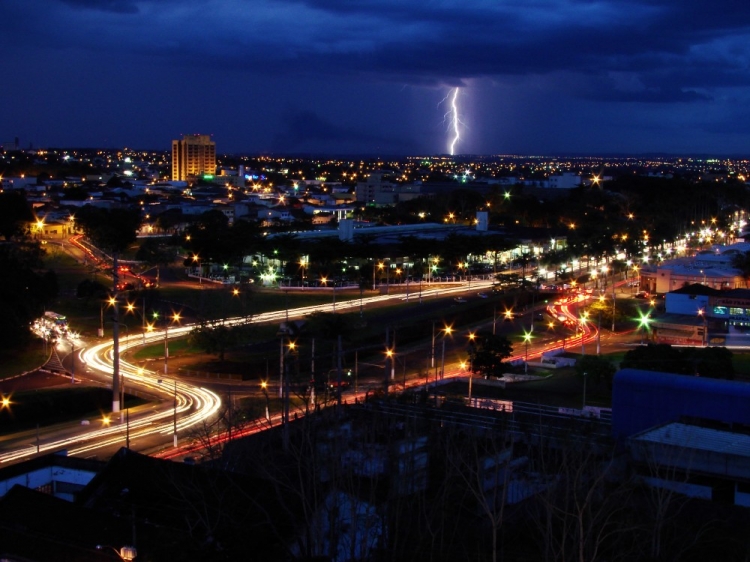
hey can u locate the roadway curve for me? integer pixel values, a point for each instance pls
(194, 404)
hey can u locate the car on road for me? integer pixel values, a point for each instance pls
(482, 295)
(459, 299)
(642, 295)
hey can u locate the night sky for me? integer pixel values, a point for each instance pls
(371, 77)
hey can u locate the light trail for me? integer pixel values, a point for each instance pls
(194, 404)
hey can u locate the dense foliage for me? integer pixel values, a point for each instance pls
(711, 362)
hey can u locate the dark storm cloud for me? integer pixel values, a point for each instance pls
(114, 6)
(608, 53)
(305, 130)
(424, 42)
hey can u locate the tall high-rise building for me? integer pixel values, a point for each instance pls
(192, 156)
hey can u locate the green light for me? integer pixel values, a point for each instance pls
(644, 320)
(208, 176)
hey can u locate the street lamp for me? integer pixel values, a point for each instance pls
(131, 308)
(583, 320)
(446, 332)
(526, 339)
(389, 362)
(196, 260)
(264, 388)
(175, 318)
(702, 314)
(472, 337)
(643, 323)
(324, 280)
(121, 376)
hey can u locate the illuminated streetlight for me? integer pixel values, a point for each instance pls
(702, 314)
(264, 388)
(643, 323)
(446, 332)
(526, 339)
(583, 320)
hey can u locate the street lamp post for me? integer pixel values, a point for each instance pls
(526, 339)
(472, 336)
(702, 314)
(131, 308)
(406, 274)
(175, 318)
(196, 260)
(122, 379)
(583, 333)
(643, 323)
(264, 388)
(446, 332)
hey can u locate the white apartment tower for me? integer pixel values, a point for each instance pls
(192, 156)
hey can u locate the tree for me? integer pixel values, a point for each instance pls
(487, 353)
(24, 293)
(109, 229)
(156, 252)
(15, 212)
(741, 261)
(596, 370)
(336, 327)
(217, 338)
(712, 362)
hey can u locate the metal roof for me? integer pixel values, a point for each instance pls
(697, 438)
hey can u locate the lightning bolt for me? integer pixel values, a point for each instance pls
(454, 122)
(452, 119)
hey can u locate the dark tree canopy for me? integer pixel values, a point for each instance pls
(487, 353)
(596, 369)
(24, 293)
(14, 214)
(110, 229)
(711, 362)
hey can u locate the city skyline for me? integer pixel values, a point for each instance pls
(379, 78)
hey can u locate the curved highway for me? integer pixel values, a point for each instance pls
(183, 405)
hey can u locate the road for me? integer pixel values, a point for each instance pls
(162, 427)
(180, 406)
